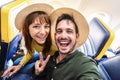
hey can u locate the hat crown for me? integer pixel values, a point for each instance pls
(20, 17)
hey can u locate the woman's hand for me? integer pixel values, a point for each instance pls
(12, 70)
(41, 64)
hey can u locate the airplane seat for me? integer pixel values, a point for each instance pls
(118, 52)
(3, 52)
(12, 48)
(28, 67)
(88, 47)
(110, 68)
(99, 39)
(13, 45)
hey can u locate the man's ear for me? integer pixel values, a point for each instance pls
(77, 36)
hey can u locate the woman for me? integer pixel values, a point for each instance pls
(35, 23)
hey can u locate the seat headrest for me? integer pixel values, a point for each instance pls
(110, 68)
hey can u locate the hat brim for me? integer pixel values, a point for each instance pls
(20, 17)
(79, 19)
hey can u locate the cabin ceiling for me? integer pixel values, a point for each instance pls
(110, 7)
(107, 8)
(89, 7)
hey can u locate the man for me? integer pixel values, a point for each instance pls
(71, 30)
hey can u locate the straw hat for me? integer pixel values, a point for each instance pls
(20, 17)
(79, 19)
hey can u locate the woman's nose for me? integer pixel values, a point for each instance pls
(42, 30)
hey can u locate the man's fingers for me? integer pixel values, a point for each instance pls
(41, 56)
(40, 64)
(38, 67)
(45, 62)
(47, 59)
(37, 63)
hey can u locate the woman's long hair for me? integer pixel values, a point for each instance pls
(25, 31)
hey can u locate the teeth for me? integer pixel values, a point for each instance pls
(63, 42)
(40, 37)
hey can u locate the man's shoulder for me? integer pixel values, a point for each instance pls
(82, 58)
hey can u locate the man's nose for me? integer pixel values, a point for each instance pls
(63, 34)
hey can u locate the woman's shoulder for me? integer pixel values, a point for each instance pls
(53, 49)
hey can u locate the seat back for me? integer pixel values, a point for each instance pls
(13, 46)
(99, 40)
(110, 68)
(3, 52)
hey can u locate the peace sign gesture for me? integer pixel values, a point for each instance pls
(41, 64)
